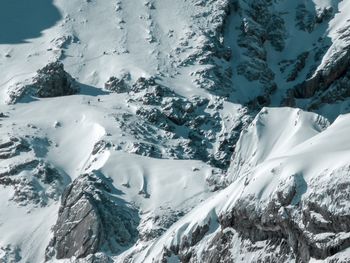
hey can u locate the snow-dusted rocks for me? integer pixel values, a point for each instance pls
(116, 85)
(167, 153)
(329, 84)
(291, 205)
(33, 180)
(91, 219)
(9, 254)
(260, 24)
(50, 81)
(11, 146)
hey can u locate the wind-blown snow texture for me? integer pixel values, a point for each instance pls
(174, 131)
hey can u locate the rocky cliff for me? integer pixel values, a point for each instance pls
(175, 131)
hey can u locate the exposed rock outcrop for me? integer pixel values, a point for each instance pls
(117, 85)
(297, 223)
(50, 81)
(168, 125)
(92, 219)
(329, 83)
(261, 24)
(310, 224)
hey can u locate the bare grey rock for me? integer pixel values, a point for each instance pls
(92, 219)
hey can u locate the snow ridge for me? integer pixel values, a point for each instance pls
(174, 131)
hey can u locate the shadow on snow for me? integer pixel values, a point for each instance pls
(21, 20)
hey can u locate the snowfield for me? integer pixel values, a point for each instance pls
(174, 131)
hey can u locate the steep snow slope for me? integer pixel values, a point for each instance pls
(294, 190)
(78, 139)
(160, 154)
(267, 137)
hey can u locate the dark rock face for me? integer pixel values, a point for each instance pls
(50, 81)
(310, 224)
(12, 146)
(95, 258)
(92, 220)
(327, 85)
(143, 84)
(308, 21)
(117, 85)
(299, 65)
(219, 249)
(53, 81)
(261, 24)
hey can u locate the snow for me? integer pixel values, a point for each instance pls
(153, 185)
(273, 133)
(99, 39)
(28, 228)
(94, 48)
(322, 150)
(167, 183)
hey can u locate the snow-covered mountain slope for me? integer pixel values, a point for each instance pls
(261, 52)
(291, 207)
(97, 40)
(136, 131)
(290, 53)
(267, 137)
